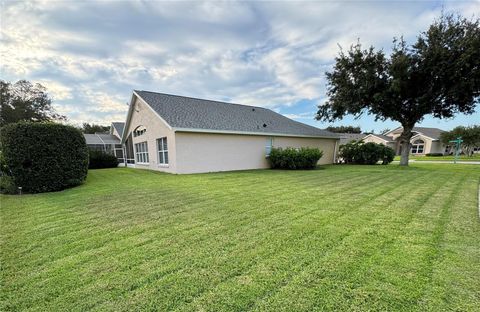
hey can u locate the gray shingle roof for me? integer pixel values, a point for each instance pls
(384, 137)
(101, 138)
(348, 137)
(192, 113)
(433, 133)
(119, 126)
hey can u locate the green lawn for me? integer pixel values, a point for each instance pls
(349, 238)
(474, 157)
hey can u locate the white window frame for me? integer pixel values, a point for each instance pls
(140, 130)
(141, 153)
(416, 147)
(162, 153)
(268, 146)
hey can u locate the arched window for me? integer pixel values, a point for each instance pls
(140, 130)
(418, 146)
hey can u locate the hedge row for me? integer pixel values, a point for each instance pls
(358, 152)
(293, 158)
(43, 157)
(100, 159)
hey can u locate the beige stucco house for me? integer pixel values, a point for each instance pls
(179, 134)
(424, 141)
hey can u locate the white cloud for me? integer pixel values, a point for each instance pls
(90, 55)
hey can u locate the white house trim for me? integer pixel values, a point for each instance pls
(371, 134)
(130, 112)
(160, 117)
(422, 135)
(250, 133)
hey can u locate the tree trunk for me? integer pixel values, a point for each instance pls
(405, 145)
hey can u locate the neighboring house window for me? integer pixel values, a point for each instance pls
(141, 152)
(418, 147)
(140, 130)
(162, 151)
(268, 146)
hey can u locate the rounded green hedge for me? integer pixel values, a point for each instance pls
(100, 159)
(359, 152)
(44, 157)
(294, 158)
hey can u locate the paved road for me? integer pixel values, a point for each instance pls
(463, 162)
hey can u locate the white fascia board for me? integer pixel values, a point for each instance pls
(129, 116)
(160, 117)
(251, 133)
(378, 138)
(419, 134)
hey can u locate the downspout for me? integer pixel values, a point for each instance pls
(335, 152)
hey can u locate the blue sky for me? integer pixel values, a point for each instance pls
(91, 55)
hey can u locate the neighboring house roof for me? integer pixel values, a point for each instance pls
(433, 133)
(381, 136)
(348, 137)
(119, 126)
(190, 114)
(101, 138)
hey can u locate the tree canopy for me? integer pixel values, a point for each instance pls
(94, 128)
(24, 101)
(438, 75)
(344, 129)
(470, 136)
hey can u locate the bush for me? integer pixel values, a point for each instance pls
(434, 154)
(99, 159)
(44, 157)
(358, 152)
(7, 186)
(293, 158)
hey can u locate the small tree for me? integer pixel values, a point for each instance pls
(439, 75)
(470, 136)
(24, 101)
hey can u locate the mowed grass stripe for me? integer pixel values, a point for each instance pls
(79, 263)
(315, 257)
(106, 230)
(174, 256)
(217, 243)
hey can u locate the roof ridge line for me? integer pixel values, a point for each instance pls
(197, 98)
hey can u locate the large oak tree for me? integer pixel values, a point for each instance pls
(438, 75)
(24, 101)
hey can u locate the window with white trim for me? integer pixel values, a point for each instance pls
(418, 146)
(140, 130)
(141, 152)
(268, 146)
(162, 148)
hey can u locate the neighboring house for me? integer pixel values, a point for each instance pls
(108, 142)
(424, 141)
(349, 137)
(380, 139)
(188, 135)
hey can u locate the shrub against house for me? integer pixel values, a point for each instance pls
(42, 157)
(359, 152)
(294, 158)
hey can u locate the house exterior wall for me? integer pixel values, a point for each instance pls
(377, 140)
(436, 147)
(155, 128)
(208, 152)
